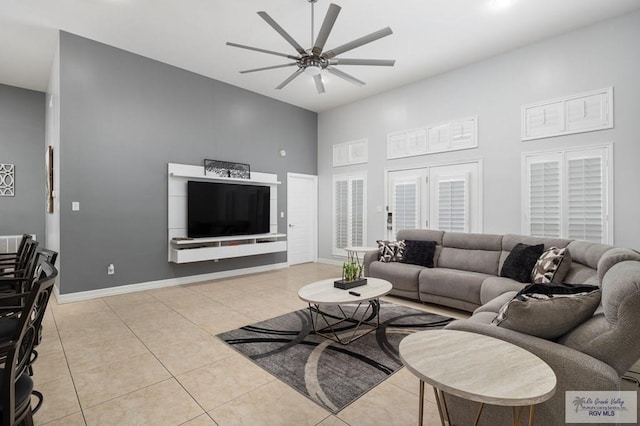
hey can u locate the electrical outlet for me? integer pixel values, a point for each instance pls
(111, 269)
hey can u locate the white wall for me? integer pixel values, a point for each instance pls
(599, 56)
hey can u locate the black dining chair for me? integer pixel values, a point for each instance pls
(18, 282)
(16, 385)
(8, 258)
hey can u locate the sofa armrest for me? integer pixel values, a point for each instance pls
(574, 370)
(369, 257)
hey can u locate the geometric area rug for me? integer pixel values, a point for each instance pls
(328, 373)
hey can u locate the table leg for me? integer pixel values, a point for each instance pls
(516, 420)
(442, 409)
(479, 413)
(438, 403)
(421, 405)
(531, 411)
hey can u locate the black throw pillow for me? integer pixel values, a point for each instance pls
(419, 252)
(520, 262)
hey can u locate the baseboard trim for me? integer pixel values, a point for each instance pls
(152, 285)
(331, 261)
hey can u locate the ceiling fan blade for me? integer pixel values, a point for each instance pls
(358, 42)
(290, 78)
(257, 49)
(269, 68)
(325, 30)
(378, 62)
(343, 75)
(282, 32)
(319, 85)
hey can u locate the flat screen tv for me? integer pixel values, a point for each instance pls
(226, 209)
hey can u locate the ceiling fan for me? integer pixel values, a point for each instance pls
(312, 61)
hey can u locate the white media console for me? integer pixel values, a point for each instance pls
(184, 250)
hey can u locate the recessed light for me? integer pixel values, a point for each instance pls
(500, 4)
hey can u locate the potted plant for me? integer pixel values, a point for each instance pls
(351, 276)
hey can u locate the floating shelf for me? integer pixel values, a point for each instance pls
(197, 172)
(199, 249)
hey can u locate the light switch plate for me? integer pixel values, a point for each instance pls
(75, 206)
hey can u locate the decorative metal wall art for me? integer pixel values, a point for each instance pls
(7, 180)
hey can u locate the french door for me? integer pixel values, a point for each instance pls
(444, 197)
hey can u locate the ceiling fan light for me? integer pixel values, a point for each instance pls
(312, 70)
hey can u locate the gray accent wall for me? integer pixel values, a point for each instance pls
(22, 124)
(595, 57)
(123, 117)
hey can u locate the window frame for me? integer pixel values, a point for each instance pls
(349, 178)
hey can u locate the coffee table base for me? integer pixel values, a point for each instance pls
(366, 316)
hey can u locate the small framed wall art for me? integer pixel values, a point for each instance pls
(227, 169)
(7, 180)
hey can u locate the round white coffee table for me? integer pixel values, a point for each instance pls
(478, 368)
(363, 301)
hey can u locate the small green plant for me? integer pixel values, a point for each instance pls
(351, 271)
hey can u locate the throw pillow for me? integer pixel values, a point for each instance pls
(390, 251)
(552, 266)
(549, 311)
(419, 253)
(519, 264)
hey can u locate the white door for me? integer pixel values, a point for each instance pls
(302, 218)
(407, 195)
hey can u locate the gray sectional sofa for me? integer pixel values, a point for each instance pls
(466, 275)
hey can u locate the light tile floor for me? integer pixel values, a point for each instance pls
(152, 358)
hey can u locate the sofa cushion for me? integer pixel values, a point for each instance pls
(588, 253)
(419, 253)
(548, 310)
(390, 251)
(493, 287)
(470, 252)
(613, 257)
(519, 264)
(403, 276)
(452, 283)
(421, 235)
(551, 266)
(497, 303)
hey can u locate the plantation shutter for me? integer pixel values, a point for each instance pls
(462, 133)
(453, 204)
(405, 206)
(567, 194)
(357, 212)
(544, 198)
(585, 199)
(341, 214)
(588, 112)
(349, 223)
(544, 120)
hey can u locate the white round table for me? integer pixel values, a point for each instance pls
(363, 303)
(478, 368)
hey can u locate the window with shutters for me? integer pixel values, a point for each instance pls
(582, 112)
(350, 216)
(449, 136)
(568, 194)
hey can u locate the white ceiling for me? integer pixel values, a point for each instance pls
(430, 37)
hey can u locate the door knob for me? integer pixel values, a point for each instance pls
(291, 225)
